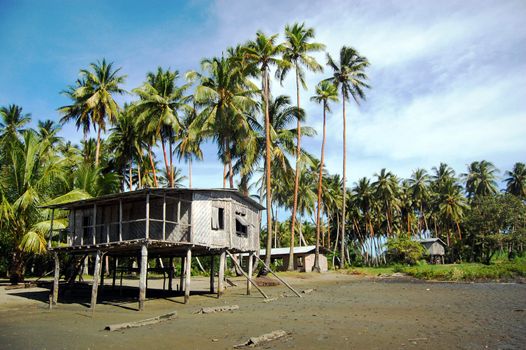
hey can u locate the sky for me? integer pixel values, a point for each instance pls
(448, 78)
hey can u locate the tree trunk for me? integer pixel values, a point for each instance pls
(170, 143)
(342, 247)
(190, 172)
(152, 164)
(230, 170)
(296, 177)
(316, 266)
(167, 166)
(224, 174)
(139, 177)
(97, 150)
(131, 174)
(267, 142)
(16, 267)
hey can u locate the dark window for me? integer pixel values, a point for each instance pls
(87, 229)
(241, 227)
(221, 218)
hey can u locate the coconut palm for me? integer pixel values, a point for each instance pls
(516, 180)
(95, 96)
(386, 191)
(349, 75)
(297, 48)
(77, 110)
(419, 187)
(158, 109)
(29, 177)
(188, 141)
(264, 53)
(325, 92)
(12, 122)
(480, 179)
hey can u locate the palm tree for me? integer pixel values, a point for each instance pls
(94, 96)
(349, 75)
(419, 187)
(28, 179)
(77, 111)
(12, 123)
(189, 139)
(264, 53)
(516, 180)
(480, 179)
(325, 92)
(158, 109)
(386, 190)
(296, 52)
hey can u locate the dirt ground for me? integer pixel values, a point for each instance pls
(342, 312)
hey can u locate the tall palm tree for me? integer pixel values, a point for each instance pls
(94, 96)
(419, 187)
(12, 122)
(77, 110)
(325, 92)
(480, 179)
(189, 139)
(386, 191)
(297, 48)
(265, 53)
(516, 180)
(349, 75)
(158, 108)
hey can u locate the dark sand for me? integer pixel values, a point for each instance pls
(342, 312)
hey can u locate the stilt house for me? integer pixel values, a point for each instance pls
(164, 223)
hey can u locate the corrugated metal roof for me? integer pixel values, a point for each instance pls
(140, 193)
(431, 240)
(286, 250)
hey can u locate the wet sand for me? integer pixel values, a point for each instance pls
(342, 312)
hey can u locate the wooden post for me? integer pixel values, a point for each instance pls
(246, 276)
(96, 274)
(94, 226)
(164, 216)
(181, 282)
(188, 274)
(281, 280)
(147, 215)
(54, 298)
(51, 229)
(115, 263)
(250, 261)
(143, 277)
(171, 273)
(212, 273)
(221, 274)
(120, 220)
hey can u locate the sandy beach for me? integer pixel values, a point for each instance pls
(342, 311)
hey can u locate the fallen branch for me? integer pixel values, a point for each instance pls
(211, 310)
(146, 322)
(254, 341)
(229, 281)
(307, 291)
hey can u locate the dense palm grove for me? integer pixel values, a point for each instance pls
(258, 137)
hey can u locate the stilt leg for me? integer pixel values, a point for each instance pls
(54, 298)
(188, 273)
(96, 275)
(181, 282)
(143, 277)
(250, 262)
(221, 277)
(170, 273)
(114, 268)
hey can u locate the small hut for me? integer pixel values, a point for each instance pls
(157, 223)
(436, 248)
(303, 258)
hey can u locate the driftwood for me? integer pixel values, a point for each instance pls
(269, 300)
(230, 282)
(254, 341)
(146, 322)
(211, 310)
(307, 291)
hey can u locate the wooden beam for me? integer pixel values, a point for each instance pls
(115, 264)
(96, 274)
(181, 281)
(51, 228)
(93, 226)
(246, 276)
(188, 275)
(164, 216)
(281, 280)
(54, 298)
(147, 215)
(143, 277)
(171, 273)
(221, 274)
(120, 219)
(250, 261)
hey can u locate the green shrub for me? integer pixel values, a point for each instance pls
(403, 250)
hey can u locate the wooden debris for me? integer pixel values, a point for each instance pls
(211, 310)
(230, 282)
(146, 322)
(307, 291)
(269, 300)
(254, 341)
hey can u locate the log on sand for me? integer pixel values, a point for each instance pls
(255, 341)
(211, 310)
(146, 322)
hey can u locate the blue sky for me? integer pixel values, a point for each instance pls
(448, 77)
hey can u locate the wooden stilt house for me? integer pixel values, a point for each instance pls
(158, 223)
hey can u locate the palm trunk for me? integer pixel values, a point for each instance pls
(267, 161)
(171, 162)
(131, 174)
(224, 174)
(320, 180)
(190, 172)
(167, 166)
(342, 251)
(296, 178)
(230, 170)
(16, 267)
(97, 150)
(139, 174)
(152, 164)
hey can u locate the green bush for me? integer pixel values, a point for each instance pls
(403, 250)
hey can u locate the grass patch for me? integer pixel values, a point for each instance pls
(372, 271)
